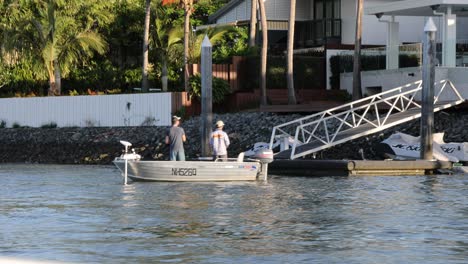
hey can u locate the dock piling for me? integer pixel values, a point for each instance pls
(428, 73)
(206, 95)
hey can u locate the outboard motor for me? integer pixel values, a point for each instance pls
(265, 156)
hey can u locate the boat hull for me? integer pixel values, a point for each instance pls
(404, 146)
(141, 170)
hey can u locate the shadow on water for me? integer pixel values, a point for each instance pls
(84, 214)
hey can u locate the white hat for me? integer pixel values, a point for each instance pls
(175, 118)
(219, 123)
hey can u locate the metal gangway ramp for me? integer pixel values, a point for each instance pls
(359, 118)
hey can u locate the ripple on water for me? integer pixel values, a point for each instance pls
(84, 214)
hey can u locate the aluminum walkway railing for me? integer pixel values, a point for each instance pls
(359, 118)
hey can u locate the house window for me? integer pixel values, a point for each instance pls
(325, 27)
(337, 9)
(327, 15)
(330, 9)
(318, 10)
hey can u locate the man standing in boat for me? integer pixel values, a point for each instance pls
(175, 138)
(219, 141)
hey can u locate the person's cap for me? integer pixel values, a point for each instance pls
(219, 123)
(175, 118)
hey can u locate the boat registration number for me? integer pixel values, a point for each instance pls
(184, 171)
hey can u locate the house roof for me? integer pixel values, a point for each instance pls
(223, 10)
(419, 7)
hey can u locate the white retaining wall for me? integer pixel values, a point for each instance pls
(82, 111)
(389, 79)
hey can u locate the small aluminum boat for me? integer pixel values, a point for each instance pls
(238, 169)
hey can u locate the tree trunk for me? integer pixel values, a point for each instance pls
(52, 85)
(290, 77)
(53, 69)
(263, 67)
(253, 23)
(54, 79)
(58, 78)
(188, 10)
(120, 56)
(144, 78)
(164, 76)
(357, 91)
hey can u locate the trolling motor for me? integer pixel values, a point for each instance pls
(126, 145)
(128, 156)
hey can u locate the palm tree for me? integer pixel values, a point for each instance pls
(253, 23)
(165, 40)
(263, 60)
(215, 34)
(357, 91)
(290, 77)
(188, 9)
(56, 35)
(144, 79)
(169, 38)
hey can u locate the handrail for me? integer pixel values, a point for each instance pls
(351, 115)
(351, 104)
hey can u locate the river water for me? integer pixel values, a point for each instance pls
(83, 214)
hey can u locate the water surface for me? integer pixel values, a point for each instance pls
(83, 214)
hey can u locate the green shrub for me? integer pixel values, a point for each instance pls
(408, 61)
(308, 72)
(335, 72)
(3, 124)
(276, 76)
(233, 43)
(21, 79)
(344, 63)
(220, 87)
(98, 76)
(49, 125)
(182, 112)
(132, 77)
(16, 125)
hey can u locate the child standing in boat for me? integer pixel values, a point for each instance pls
(219, 141)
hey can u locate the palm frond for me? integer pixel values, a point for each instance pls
(82, 45)
(175, 36)
(49, 54)
(215, 34)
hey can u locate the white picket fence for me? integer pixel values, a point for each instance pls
(152, 109)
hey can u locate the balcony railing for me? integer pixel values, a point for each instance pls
(317, 32)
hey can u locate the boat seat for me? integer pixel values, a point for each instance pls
(240, 158)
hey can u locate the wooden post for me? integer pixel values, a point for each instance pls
(206, 96)
(428, 73)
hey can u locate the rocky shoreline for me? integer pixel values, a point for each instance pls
(99, 145)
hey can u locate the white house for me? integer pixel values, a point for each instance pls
(451, 22)
(331, 24)
(325, 21)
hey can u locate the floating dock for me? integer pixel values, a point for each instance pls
(314, 168)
